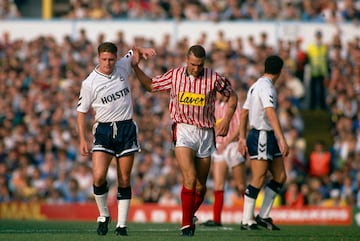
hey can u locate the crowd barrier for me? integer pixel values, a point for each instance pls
(153, 213)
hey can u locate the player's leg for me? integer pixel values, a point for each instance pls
(202, 166)
(125, 143)
(258, 172)
(239, 176)
(185, 157)
(220, 172)
(237, 164)
(100, 165)
(277, 170)
(124, 167)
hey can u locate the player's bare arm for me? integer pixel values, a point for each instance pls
(274, 121)
(223, 127)
(83, 145)
(144, 79)
(242, 131)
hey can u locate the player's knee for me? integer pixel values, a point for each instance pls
(201, 189)
(124, 181)
(190, 182)
(241, 188)
(102, 189)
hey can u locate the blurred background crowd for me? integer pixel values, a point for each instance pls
(40, 81)
(213, 10)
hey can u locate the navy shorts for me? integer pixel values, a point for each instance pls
(262, 145)
(116, 138)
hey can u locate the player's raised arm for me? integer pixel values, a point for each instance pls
(144, 79)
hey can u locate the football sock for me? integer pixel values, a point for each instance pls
(270, 193)
(100, 195)
(218, 205)
(187, 205)
(250, 196)
(199, 198)
(101, 202)
(124, 197)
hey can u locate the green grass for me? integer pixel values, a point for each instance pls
(76, 231)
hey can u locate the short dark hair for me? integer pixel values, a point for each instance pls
(107, 47)
(197, 50)
(273, 64)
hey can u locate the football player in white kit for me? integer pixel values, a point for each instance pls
(107, 91)
(265, 144)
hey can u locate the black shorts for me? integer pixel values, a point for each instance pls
(116, 138)
(262, 145)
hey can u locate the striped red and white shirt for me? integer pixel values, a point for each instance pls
(220, 111)
(192, 100)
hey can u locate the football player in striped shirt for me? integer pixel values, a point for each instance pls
(193, 89)
(265, 144)
(107, 91)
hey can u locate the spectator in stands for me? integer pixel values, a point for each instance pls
(9, 10)
(320, 160)
(78, 10)
(72, 192)
(97, 10)
(351, 11)
(138, 9)
(293, 197)
(318, 59)
(117, 9)
(311, 11)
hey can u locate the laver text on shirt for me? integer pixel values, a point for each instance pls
(186, 98)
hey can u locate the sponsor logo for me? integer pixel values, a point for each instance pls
(115, 96)
(186, 98)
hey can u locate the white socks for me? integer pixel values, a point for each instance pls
(123, 209)
(101, 202)
(267, 203)
(248, 211)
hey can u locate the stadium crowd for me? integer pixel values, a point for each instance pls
(40, 81)
(211, 10)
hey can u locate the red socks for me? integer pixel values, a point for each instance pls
(188, 204)
(218, 205)
(199, 198)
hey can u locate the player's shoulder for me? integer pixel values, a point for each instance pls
(90, 80)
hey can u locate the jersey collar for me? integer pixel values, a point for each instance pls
(102, 74)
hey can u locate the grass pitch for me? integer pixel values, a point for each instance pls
(14, 230)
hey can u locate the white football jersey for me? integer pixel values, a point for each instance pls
(108, 95)
(262, 94)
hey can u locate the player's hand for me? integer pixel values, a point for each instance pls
(242, 147)
(222, 128)
(147, 52)
(221, 148)
(84, 150)
(284, 148)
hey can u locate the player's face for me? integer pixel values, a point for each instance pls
(194, 65)
(106, 62)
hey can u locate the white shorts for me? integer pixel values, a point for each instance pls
(201, 140)
(231, 155)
